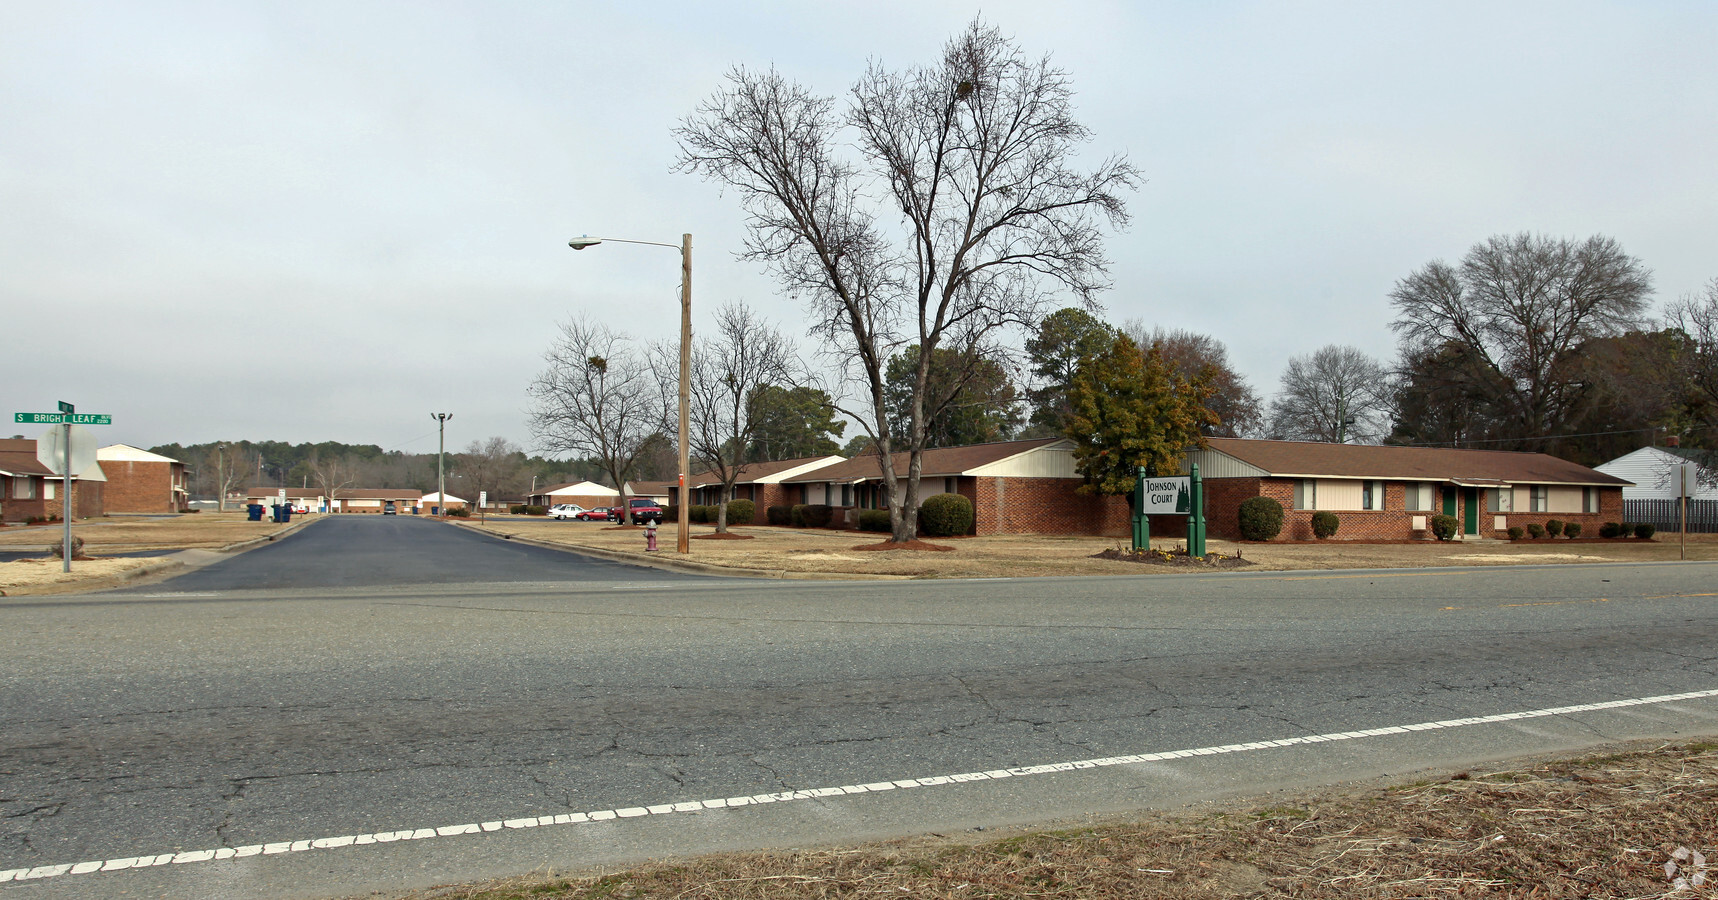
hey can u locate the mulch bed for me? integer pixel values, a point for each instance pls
(718, 536)
(1174, 559)
(914, 544)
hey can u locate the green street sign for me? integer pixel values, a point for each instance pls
(62, 419)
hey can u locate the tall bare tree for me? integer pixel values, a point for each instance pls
(1520, 306)
(491, 466)
(226, 466)
(1697, 317)
(729, 370)
(597, 399)
(938, 209)
(1336, 395)
(333, 474)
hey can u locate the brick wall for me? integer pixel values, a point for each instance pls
(1042, 506)
(135, 486)
(1224, 496)
(86, 500)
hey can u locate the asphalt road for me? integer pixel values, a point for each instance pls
(442, 679)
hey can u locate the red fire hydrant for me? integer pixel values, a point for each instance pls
(650, 535)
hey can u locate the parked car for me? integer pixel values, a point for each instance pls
(643, 510)
(389, 509)
(600, 514)
(565, 511)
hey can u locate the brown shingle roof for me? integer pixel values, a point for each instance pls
(18, 457)
(1312, 459)
(942, 461)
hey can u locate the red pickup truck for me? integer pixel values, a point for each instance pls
(643, 510)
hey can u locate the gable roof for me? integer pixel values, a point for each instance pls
(651, 488)
(128, 453)
(1311, 459)
(940, 462)
(771, 472)
(580, 489)
(18, 458)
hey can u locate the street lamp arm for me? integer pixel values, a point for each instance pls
(583, 241)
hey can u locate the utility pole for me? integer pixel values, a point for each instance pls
(440, 471)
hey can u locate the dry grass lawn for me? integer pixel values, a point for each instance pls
(36, 574)
(123, 534)
(795, 550)
(1598, 826)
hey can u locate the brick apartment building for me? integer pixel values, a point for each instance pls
(30, 490)
(1390, 493)
(351, 500)
(139, 481)
(763, 483)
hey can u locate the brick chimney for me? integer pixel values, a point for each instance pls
(1672, 440)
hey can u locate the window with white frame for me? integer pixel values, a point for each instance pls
(24, 488)
(1372, 495)
(1499, 500)
(1539, 498)
(1590, 500)
(1305, 493)
(1418, 497)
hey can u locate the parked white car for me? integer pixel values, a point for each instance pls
(565, 510)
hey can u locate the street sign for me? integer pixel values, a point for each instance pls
(1168, 496)
(51, 450)
(1687, 478)
(62, 419)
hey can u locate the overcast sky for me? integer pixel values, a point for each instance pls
(309, 221)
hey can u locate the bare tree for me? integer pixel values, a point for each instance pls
(597, 399)
(960, 216)
(333, 474)
(226, 466)
(1520, 307)
(491, 466)
(746, 355)
(1697, 317)
(1336, 395)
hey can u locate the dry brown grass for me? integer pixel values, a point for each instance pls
(1599, 827)
(46, 572)
(121, 534)
(794, 550)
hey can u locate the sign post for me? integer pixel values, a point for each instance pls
(1687, 480)
(482, 506)
(64, 465)
(1141, 525)
(1196, 514)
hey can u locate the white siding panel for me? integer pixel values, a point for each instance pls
(1216, 464)
(1563, 500)
(1649, 469)
(1337, 494)
(1052, 461)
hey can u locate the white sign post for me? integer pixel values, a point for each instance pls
(68, 454)
(482, 505)
(1687, 482)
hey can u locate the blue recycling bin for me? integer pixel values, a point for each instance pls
(254, 511)
(286, 513)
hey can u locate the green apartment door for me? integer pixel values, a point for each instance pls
(1470, 515)
(1450, 502)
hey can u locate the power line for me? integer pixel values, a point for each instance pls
(1545, 437)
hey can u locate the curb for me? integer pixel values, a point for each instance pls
(680, 565)
(141, 572)
(258, 541)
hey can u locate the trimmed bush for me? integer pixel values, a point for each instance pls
(1609, 530)
(464, 512)
(1324, 524)
(817, 515)
(523, 510)
(671, 513)
(1516, 533)
(1536, 530)
(1444, 527)
(1645, 530)
(945, 515)
(740, 512)
(1572, 529)
(1554, 528)
(1261, 518)
(517, 509)
(874, 520)
(797, 515)
(779, 515)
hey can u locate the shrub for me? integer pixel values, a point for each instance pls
(1324, 524)
(464, 512)
(1536, 530)
(796, 514)
(1572, 529)
(817, 515)
(1625, 529)
(1645, 530)
(1515, 532)
(874, 520)
(779, 515)
(517, 509)
(671, 513)
(1609, 530)
(741, 512)
(700, 514)
(1261, 518)
(1444, 527)
(945, 515)
(1554, 528)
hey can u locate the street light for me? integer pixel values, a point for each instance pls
(440, 471)
(681, 544)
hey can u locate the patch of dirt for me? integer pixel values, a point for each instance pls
(624, 528)
(718, 536)
(1524, 557)
(1174, 559)
(915, 544)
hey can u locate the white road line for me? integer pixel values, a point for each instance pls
(665, 809)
